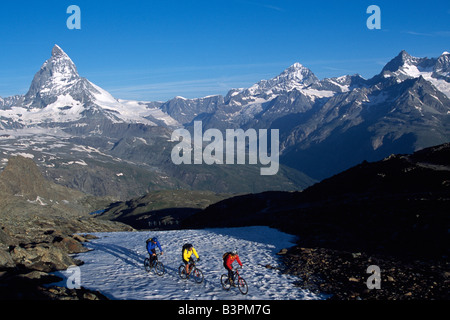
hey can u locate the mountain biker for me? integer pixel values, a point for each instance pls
(151, 248)
(228, 259)
(187, 252)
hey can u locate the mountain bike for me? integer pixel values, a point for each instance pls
(156, 265)
(241, 283)
(195, 272)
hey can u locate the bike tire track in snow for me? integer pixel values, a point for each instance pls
(115, 265)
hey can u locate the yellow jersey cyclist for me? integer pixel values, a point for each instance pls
(187, 252)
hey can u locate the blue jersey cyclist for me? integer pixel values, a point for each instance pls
(151, 248)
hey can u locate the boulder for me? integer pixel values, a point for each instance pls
(6, 260)
(41, 257)
(69, 244)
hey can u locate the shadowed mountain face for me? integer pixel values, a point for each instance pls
(395, 206)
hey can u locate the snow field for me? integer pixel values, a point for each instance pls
(115, 265)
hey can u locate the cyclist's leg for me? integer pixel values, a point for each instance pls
(186, 266)
(152, 256)
(230, 274)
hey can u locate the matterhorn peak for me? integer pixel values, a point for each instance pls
(56, 74)
(57, 51)
(61, 62)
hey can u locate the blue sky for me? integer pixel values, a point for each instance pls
(155, 50)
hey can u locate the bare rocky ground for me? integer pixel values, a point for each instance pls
(343, 275)
(32, 249)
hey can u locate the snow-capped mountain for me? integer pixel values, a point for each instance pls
(436, 71)
(58, 94)
(325, 125)
(84, 138)
(404, 108)
(329, 125)
(294, 77)
(294, 90)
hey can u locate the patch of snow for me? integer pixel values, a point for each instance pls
(38, 200)
(131, 112)
(25, 155)
(115, 265)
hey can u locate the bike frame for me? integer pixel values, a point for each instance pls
(156, 256)
(236, 274)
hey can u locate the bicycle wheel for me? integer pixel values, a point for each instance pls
(182, 271)
(198, 275)
(159, 268)
(225, 282)
(147, 264)
(242, 284)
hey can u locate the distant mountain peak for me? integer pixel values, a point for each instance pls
(298, 72)
(57, 51)
(295, 67)
(404, 54)
(402, 59)
(295, 76)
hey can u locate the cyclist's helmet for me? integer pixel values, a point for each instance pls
(234, 252)
(154, 239)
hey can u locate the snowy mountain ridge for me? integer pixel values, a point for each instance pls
(326, 126)
(58, 94)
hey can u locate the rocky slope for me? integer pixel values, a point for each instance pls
(40, 223)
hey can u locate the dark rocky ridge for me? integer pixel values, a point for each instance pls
(161, 210)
